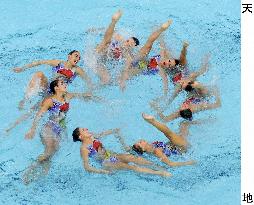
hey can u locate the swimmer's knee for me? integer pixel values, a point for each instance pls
(39, 75)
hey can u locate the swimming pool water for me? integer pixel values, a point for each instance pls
(32, 30)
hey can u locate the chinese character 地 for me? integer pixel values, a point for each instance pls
(247, 198)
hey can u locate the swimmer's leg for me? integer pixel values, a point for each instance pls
(109, 32)
(125, 166)
(144, 51)
(127, 73)
(131, 158)
(183, 59)
(103, 74)
(175, 139)
(36, 171)
(41, 166)
(38, 82)
(51, 147)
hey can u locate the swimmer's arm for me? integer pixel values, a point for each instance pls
(95, 30)
(164, 80)
(207, 106)
(85, 77)
(202, 70)
(164, 52)
(46, 104)
(182, 59)
(84, 96)
(170, 117)
(36, 63)
(84, 155)
(158, 153)
(122, 142)
(177, 90)
(105, 133)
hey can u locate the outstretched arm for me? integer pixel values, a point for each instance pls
(36, 63)
(105, 133)
(84, 96)
(202, 70)
(46, 104)
(164, 80)
(208, 106)
(122, 142)
(178, 89)
(84, 155)
(164, 51)
(170, 117)
(85, 77)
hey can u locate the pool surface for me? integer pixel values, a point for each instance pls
(32, 30)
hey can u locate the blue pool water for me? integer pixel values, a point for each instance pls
(45, 29)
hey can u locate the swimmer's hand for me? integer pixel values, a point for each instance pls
(30, 134)
(191, 162)
(18, 70)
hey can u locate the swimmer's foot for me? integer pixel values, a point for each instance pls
(117, 15)
(42, 158)
(35, 172)
(148, 118)
(186, 44)
(165, 174)
(166, 25)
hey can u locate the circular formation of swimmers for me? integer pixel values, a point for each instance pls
(54, 101)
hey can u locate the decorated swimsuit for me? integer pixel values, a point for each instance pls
(115, 49)
(57, 114)
(167, 149)
(66, 74)
(93, 151)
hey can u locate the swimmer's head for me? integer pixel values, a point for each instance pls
(131, 42)
(189, 87)
(140, 146)
(57, 86)
(74, 57)
(76, 134)
(79, 134)
(186, 114)
(169, 63)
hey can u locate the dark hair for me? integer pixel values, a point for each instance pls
(189, 87)
(76, 134)
(73, 51)
(177, 62)
(186, 114)
(137, 149)
(135, 40)
(52, 86)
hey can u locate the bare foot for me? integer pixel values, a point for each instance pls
(166, 174)
(185, 43)
(117, 15)
(147, 117)
(166, 25)
(42, 158)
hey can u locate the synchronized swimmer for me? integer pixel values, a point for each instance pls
(114, 47)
